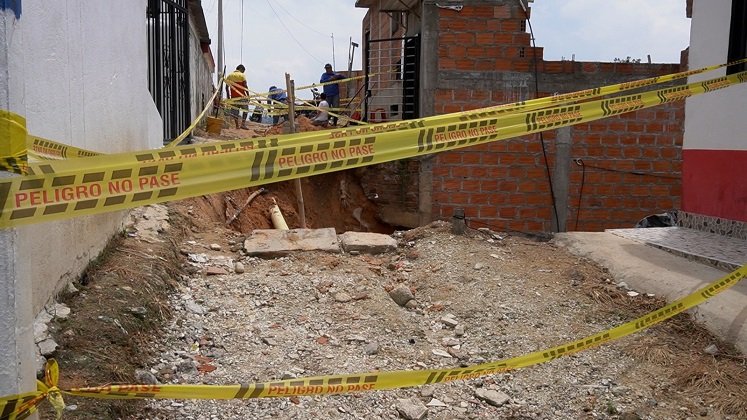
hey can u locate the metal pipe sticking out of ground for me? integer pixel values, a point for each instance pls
(246, 204)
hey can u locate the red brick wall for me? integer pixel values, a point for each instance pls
(504, 184)
(392, 184)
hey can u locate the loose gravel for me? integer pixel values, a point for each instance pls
(475, 298)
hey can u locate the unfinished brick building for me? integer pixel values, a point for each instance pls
(425, 57)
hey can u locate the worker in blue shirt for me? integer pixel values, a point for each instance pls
(277, 95)
(332, 90)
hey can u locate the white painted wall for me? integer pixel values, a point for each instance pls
(714, 121)
(85, 81)
(201, 76)
(16, 316)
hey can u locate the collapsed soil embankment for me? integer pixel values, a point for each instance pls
(317, 314)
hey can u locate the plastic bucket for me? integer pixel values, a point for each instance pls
(214, 125)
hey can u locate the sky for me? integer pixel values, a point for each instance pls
(296, 36)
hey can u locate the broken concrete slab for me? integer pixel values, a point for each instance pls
(411, 409)
(367, 242)
(277, 243)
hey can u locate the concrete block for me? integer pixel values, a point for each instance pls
(277, 243)
(366, 242)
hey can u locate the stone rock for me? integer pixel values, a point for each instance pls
(371, 349)
(186, 366)
(342, 297)
(215, 247)
(238, 268)
(367, 242)
(144, 377)
(194, 307)
(215, 271)
(459, 330)
(43, 317)
(47, 347)
(139, 312)
(401, 295)
(427, 392)
(449, 321)
(619, 391)
(71, 289)
(411, 409)
(712, 350)
(455, 353)
(436, 403)
(450, 342)
(492, 397)
(41, 331)
(442, 353)
(60, 310)
(277, 243)
(630, 416)
(411, 304)
(198, 258)
(479, 266)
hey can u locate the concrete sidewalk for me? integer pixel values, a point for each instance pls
(652, 270)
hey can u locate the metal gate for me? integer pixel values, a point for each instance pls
(391, 69)
(168, 63)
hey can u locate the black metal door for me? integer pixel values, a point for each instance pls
(391, 68)
(168, 63)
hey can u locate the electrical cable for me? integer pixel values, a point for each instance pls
(291, 34)
(579, 161)
(583, 165)
(241, 51)
(299, 21)
(581, 190)
(541, 136)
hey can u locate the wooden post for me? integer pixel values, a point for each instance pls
(290, 87)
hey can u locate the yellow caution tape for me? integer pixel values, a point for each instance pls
(98, 184)
(21, 406)
(13, 157)
(45, 149)
(192, 126)
(370, 381)
(48, 146)
(349, 79)
(524, 106)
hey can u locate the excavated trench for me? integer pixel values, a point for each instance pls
(330, 200)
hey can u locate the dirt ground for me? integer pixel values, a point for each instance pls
(315, 314)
